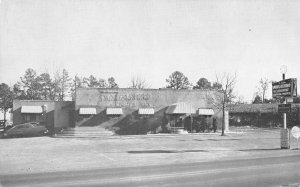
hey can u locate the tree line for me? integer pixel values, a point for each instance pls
(61, 87)
(177, 80)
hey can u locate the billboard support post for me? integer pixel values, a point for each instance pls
(285, 89)
(282, 88)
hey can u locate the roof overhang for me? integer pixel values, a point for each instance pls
(181, 108)
(87, 111)
(114, 111)
(205, 112)
(146, 111)
(31, 110)
(253, 108)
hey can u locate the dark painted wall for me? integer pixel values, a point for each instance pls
(64, 114)
(59, 113)
(131, 100)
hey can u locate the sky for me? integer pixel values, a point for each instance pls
(151, 39)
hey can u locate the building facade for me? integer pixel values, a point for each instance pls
(138, 111)
(125, 111)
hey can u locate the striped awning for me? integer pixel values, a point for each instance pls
(181, 108)
(114, 111)
(32, 109)
(88, 111)
(205, 112)
(146, 111)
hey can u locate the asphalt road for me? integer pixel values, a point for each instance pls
(271, 171)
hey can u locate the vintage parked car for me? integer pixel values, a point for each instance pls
(26, 130)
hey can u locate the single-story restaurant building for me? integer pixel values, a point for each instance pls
(125, 111)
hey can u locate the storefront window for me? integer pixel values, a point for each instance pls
(31, 117)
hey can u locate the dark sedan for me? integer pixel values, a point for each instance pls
(26, 130)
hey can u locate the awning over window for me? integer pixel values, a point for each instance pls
(114, 111)
(88, 111)
(146, 111)
(205, 112)
(181, 108)
(32, 109)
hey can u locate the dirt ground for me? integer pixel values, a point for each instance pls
(45, 154)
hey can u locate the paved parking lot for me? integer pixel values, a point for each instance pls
(45, 154)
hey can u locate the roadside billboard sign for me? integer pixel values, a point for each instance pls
(284, 108)
(284, 88)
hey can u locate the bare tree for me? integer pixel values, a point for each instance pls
(240, 100)
(225, 94)
(263, 87)
(62, 84)
(138, 83)
(77, 82)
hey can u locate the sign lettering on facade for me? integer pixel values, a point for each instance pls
(130, 100)
(124, 97)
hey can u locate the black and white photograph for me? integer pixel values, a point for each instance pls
(158, 93)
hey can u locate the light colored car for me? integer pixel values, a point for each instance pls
(26, 130)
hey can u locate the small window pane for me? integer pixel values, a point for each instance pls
(32, 117)
(27, 117)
